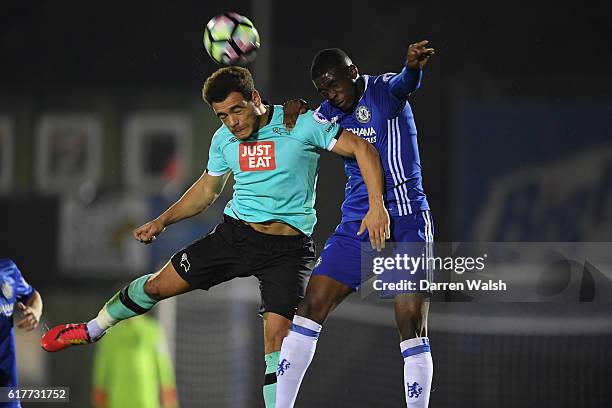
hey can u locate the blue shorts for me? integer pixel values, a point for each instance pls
(345, 254)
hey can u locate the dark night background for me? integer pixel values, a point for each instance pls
(514, 135)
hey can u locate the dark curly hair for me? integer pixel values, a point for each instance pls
(227, 80)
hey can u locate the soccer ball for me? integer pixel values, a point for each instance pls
(231, 39)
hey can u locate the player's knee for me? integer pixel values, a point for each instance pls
(153, 288)
(273, 337)
(314, 308)
(410, 320)
(274, 342)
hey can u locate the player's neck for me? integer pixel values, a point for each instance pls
(359, 89)
(264, 115)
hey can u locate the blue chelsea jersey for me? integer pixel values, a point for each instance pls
(387, 123)
(13, 289)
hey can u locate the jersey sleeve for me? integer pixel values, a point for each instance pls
(324, 110)
(23, 289)
(217, 166)
(392, 90)
(318, 130)
(405, 83)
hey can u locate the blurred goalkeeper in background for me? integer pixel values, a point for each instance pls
(133, 364)
(267, 224)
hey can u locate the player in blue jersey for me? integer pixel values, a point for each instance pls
(14, 292)
(375, 108)
(267, 224)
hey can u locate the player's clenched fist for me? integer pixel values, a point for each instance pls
(418, 54)
(147, 233)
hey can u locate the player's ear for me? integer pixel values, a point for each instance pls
(353, 72)
(256, 98)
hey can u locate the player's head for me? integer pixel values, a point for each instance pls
(231, 93)
(334, 76)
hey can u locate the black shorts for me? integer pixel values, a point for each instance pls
(234, 250)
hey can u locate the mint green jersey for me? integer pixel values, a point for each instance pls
(275, 171)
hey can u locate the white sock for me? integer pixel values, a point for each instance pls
(296, 354)
(98, 326)
(418, 371)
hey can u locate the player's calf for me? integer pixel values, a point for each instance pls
(276, 328)
(135, 299)
(411, 312)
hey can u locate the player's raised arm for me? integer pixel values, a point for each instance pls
(409, 79)
(376, 220)
(196, 199)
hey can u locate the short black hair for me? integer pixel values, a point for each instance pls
(327, 59)
(227, 80)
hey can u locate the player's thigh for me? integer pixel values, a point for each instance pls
(284, 267)
(213, 259)
(343, 256)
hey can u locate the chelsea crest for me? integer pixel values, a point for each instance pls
(363, 114)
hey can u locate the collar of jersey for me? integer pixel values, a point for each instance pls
(271, 107)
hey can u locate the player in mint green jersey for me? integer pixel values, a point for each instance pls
(267, 224)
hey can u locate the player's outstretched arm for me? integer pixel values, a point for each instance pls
(196, 199)
(376, 220)
(409, 79)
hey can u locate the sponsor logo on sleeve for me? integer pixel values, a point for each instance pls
(386, 77)
(319, 118)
